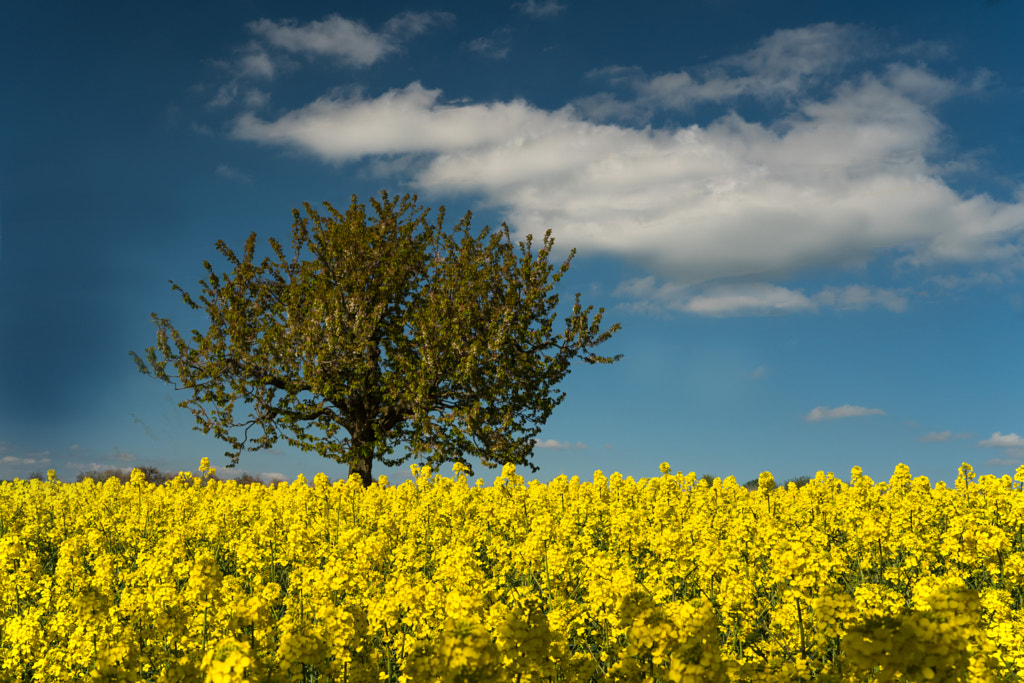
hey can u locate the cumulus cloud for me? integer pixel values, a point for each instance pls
(822, 413)
(558, 445)
(834, 180)
(1000, 440)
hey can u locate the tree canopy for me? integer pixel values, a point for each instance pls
(393, 331)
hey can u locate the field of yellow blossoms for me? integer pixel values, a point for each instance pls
(444, 579)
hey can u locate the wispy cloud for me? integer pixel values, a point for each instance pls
(253, 61)
(783, 65)
(492, 47)
(759, 372)
(932, 437)
(35, 459)
(225, 171)
(539, 10)
(822, 413)
(121, 456)
(349, 41)
(558, 445)
(756, 298)
(842, 174)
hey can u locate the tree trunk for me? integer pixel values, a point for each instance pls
(363, 466)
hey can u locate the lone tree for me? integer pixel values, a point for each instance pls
(395, 331)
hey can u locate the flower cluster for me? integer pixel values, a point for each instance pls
(443, 580)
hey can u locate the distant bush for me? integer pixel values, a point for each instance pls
(156, 476)
(153, 475)
(245, 478)
(799, 481)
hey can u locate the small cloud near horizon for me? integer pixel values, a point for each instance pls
(1000, 440)
(13, 460)
(558, 445)
(932, 437)
(822, 413)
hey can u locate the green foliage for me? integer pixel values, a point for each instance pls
(394, 332)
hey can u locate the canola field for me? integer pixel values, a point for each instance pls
(447, 579)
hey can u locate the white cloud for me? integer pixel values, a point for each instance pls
(350, 41)
(832, 181)
(546, 8)
(759, 372)
(741, 299)
(822, 413)
(942, 436)
(409, 120)
(1000, 440)
(558, 445)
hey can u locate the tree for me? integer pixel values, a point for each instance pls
(395, 331)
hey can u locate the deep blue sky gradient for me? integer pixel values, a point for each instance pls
(117, 174)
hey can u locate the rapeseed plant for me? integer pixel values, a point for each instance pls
(672, 578)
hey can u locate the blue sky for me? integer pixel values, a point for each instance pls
(807, 216)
